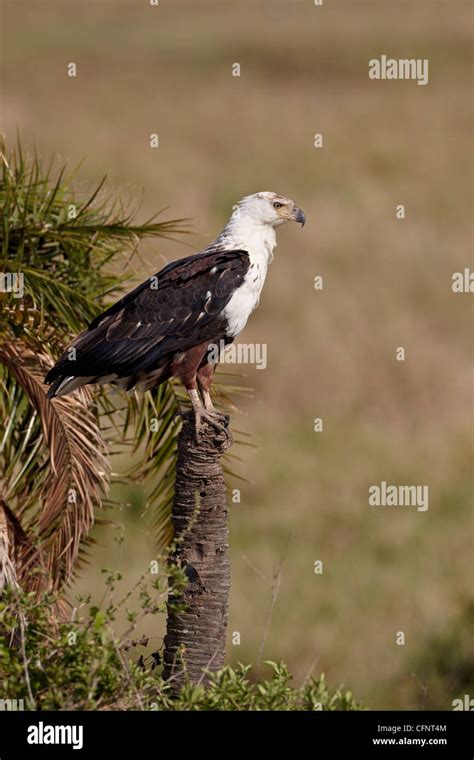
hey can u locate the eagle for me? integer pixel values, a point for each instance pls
(170, 325)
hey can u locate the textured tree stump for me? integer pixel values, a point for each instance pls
(195, 639)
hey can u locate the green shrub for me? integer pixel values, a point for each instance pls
(81, 664)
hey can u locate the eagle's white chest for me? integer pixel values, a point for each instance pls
(246, 298)
(258, 240)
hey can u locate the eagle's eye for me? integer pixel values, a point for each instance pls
(277, 205)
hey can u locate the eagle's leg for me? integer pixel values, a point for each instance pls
(204, 376)
(194, 372)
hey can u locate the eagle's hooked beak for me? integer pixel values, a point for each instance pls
(298, 216)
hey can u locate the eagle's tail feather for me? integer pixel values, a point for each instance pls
(65, 385)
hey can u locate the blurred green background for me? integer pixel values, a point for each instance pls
(331, 353)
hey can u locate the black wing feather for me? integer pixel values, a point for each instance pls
(179, 307)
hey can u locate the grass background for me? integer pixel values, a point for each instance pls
(331, 353)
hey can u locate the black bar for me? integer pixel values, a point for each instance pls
(316, 734)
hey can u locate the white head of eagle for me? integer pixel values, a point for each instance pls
(168, 325)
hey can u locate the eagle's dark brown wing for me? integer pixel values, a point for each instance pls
(179, 307)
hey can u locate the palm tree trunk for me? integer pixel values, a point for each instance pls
(195, 638)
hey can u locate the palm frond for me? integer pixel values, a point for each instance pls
(150, 421)
(62, 245)
(66, 472)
